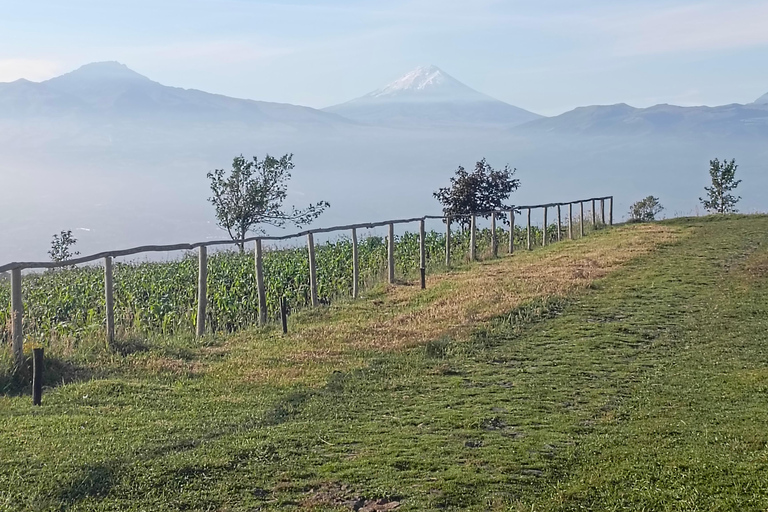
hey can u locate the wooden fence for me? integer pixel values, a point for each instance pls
(17, 307)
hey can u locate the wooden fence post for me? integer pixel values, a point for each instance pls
(17, 318)
(202, 289)
(261, 289)
(602, 212)
(559, 224)
(511, 231)
(594, 215)
(494, 241)
(529, 229)
(581, 222)
(391, 253)
(610, 213)
(473, 238)
(447, 241)
(422, 253)
(312, 269)
(355, 266)
(109, 300)
(570, 221)
(544, 231)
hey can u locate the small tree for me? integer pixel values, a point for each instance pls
(253, 193)
(60, 246)
(482, 190)
(645, 210)
(723, 176)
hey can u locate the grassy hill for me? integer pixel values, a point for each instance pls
(627, 370)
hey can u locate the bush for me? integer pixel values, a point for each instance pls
(645, 210)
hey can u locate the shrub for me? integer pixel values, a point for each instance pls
(645, 210)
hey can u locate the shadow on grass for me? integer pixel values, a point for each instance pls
(91, 481)
(56, 372)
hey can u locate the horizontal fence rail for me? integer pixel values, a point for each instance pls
(192, 246)
(15, 268)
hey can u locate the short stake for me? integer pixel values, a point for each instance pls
(284, 314)
(37, 376)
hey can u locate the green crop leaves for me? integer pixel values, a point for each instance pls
(161, 297)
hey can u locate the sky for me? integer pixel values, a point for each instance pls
(547, 56)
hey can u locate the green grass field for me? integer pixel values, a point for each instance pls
(626, 370)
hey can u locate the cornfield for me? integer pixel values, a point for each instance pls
(160, 297)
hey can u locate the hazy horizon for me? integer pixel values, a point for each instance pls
(125, 158)
(322, 54)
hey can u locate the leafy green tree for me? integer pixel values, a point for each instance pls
(723, 175)
(61, 245)
(252, 193)
(645, 210)
(481, 190)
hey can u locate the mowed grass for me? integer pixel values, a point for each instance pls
(628, 370)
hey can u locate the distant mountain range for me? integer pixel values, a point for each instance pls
(121, 160)
(424, 97)
(623, 120)
(113, 91)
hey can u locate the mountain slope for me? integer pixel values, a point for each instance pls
(622, 119)
(112, 90)
(762, 100)
(427, 96)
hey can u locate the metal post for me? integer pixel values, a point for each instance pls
(570, 221)
(594, 215)
(559, 225)
(544, 231)
(202, 289)
(284, 314)
(37, 376)
(581, 213)
(511, 231)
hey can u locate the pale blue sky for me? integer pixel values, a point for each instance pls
(547, 56)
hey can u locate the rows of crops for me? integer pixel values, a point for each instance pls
(160, 297)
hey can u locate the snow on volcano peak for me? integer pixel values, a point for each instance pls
(428, 96)
(427, 82)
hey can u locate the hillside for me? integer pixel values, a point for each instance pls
(743, 122)
(623, 370)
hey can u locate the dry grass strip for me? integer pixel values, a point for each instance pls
(452, 305)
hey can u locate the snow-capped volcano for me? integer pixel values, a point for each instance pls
(428, 83)
(430, 96)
